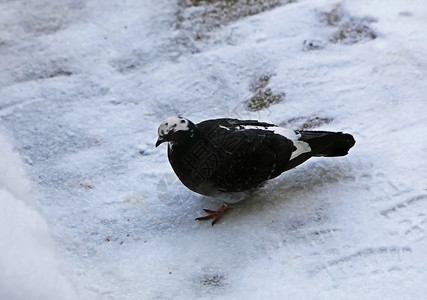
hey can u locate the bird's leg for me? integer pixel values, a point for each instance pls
(216, 214)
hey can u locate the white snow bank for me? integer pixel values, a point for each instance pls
(29, 266)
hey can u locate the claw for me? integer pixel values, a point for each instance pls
(216, 214)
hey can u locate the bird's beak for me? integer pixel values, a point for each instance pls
(159, 141)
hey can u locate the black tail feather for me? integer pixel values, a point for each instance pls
(324, 143)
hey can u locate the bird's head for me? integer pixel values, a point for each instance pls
(173, 129)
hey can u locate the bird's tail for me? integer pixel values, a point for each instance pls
(325, 143)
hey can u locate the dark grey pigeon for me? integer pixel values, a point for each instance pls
(230, 157)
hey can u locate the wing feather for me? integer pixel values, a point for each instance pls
(251, 157)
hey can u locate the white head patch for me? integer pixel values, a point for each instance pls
(172, 125)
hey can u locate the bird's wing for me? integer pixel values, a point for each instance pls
(231, 124)
(248, 157)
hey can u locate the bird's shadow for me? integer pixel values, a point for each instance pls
(303, 183)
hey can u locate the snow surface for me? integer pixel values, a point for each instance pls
(29, 265)
(90, 209)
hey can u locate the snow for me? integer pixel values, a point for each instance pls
(90, 209)
(29, 265)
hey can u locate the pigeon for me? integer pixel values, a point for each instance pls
(230, 158)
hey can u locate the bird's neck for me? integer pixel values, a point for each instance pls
(186, 142)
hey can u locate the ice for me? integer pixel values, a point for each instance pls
(90, 209)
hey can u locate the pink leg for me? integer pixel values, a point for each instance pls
(216, 214)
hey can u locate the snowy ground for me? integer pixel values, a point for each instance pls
(91, 210)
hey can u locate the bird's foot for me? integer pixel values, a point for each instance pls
(216, 214)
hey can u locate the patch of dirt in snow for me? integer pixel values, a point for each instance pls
(350, 30)
(306, 123)
(199, 17)
(263, 96)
